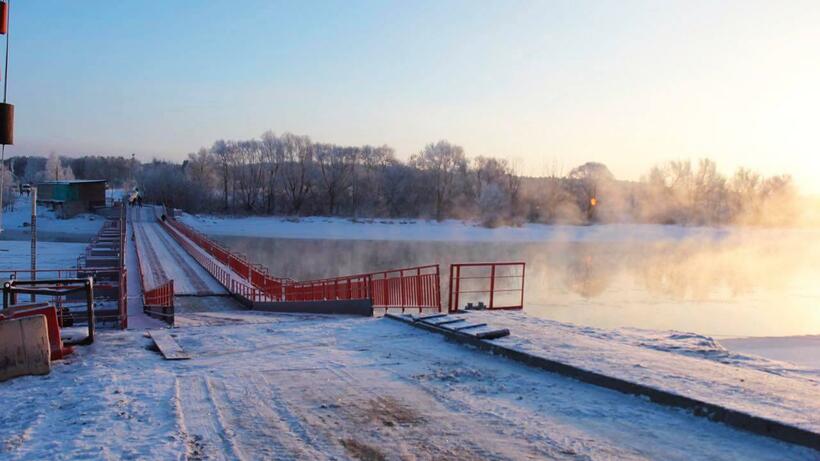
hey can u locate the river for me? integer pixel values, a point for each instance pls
(767, 285)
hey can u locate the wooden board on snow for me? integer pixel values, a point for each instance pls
(169, 347)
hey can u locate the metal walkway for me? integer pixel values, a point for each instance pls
(163, 259)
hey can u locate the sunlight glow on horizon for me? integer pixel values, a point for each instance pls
(547, 85)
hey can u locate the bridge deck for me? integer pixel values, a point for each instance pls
(163, 259)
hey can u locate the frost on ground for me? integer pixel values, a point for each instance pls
(17, 221)
(433, 231)
(16, 254)
(264, 386)
(801, 350)
(451, 230)
(683, 363)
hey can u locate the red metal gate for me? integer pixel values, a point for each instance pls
(495, 285)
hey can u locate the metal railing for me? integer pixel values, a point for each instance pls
(496, 285)
(161, 296)
(408, 288)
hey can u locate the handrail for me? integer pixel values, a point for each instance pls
(405, 288)
(489, 291)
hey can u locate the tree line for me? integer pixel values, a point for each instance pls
(292, 175)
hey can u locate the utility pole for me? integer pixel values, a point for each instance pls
(33, 236)
(2, 184)
(6, 110)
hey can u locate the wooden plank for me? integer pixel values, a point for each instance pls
(493, 334)
(170, 349)
(422, 318)
(467, 327)
(446, 322)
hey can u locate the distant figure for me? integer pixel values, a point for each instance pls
(134, 197)
(162, 217)
(139, 201)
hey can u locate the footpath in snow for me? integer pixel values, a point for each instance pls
(274, 386)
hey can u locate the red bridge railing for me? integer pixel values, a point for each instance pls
(498, 285)
(408, 288)
(251, 276)
(161, 296)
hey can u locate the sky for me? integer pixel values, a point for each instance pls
(547, 84)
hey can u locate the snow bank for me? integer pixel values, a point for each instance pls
(681, 363)
(422, 230)
(801, 350)
(453, 230)
(50, 255)
(19, 220)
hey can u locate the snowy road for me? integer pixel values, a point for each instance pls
(312, 387)
(162, 258)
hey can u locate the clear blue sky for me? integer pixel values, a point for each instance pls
(547, 84)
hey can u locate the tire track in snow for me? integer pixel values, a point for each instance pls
(200, 421)
(363, 409)
(267, 431)
(155, 269)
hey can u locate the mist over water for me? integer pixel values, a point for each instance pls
(744, 283)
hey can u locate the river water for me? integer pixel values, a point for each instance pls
(764, 283)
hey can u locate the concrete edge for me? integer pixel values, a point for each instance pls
(341, 307)
(734, 418)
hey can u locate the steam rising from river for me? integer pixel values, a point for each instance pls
(767, 276)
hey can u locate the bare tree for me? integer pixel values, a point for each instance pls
(297, 169)
(223, 152)
(441, 163)
(272, 159)
(337, 165)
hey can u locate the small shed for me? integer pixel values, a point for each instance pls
(72, 197)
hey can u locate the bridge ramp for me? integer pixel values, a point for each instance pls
(163, 259)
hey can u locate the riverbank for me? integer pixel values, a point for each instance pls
(331, 228)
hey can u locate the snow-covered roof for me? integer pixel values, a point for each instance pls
(75, 181)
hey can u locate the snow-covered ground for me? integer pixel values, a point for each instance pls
(315, 387)
(682, 363)
(50, 255)
(464, 231)
(18, 220)
(800, 350)
(423, 230)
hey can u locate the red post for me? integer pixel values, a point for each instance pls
(492, 285)
(450, 291)
(418, 289)
(458, 286)
(523, 269)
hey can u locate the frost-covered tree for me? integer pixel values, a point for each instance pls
(588, 181)
(441, 163)
(55, 171)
